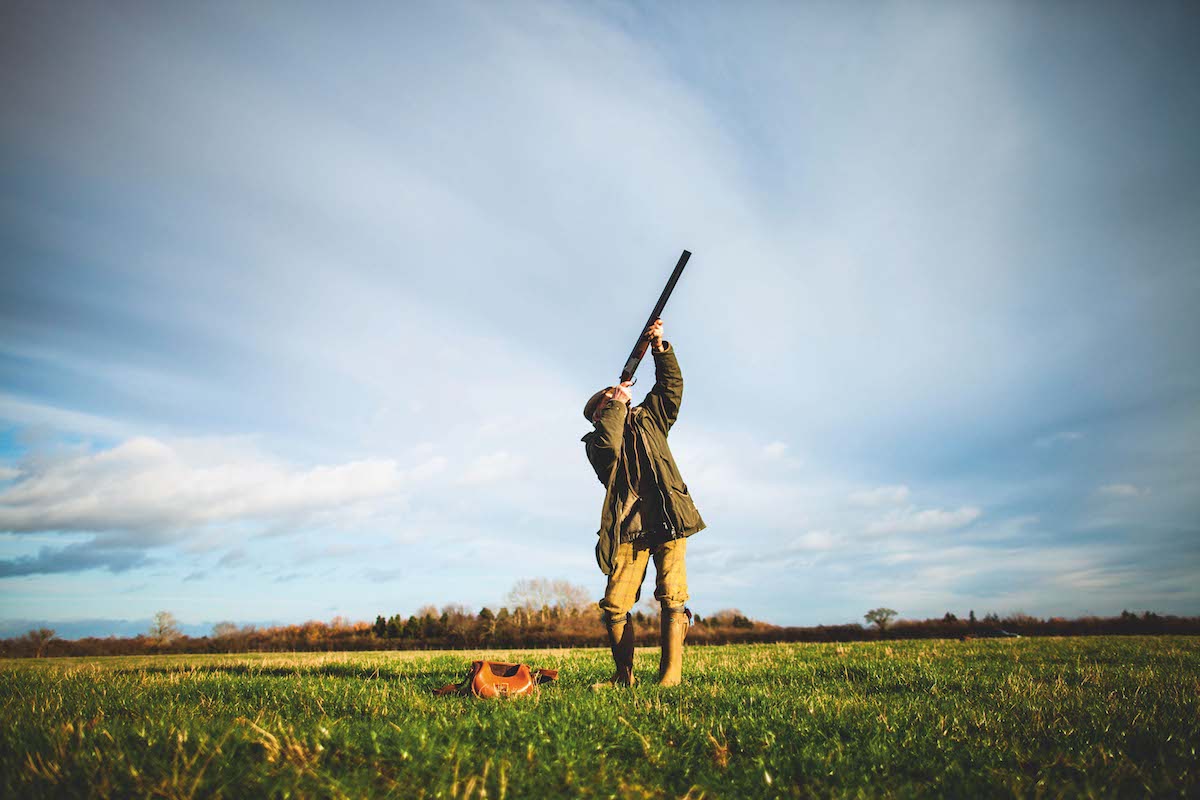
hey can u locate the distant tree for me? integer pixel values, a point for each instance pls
(530, 594)
(39, 638)
(649, 606)
(395, 626)
(569, 595)
(165, 628)
(880, 617)
(949, 617)
(533, 594)
(487, 621)
(740, 621)
(725, 616)
(380, 627)
(971, 617)
(223, 630)
(432, 627)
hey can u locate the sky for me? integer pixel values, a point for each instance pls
(299, 305)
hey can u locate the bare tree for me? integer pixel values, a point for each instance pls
(39, 638)
(530, 594)
(165, 628)
(648, 606)
(534, 594)
(223, 630)
(880, 617)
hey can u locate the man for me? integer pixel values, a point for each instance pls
(647, 513)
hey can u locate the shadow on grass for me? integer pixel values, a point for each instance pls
(444, 674)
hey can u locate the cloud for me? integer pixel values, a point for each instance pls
(233, 558)
(911, 520)
(814, 541)
(882, 496)
(74, 558)
(376, 575)
(155, 488)
(8, 473)
(774, 450)
(1122, 490)
(45, 415)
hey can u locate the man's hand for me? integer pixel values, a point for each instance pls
(655, 335)
(614, 394)
(620, 393)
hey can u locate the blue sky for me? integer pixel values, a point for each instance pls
(299, 306)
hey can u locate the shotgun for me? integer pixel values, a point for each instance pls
(639, 349)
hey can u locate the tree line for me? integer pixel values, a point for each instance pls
(451, 628)
(566, 617)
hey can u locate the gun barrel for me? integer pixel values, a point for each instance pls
(639, 348)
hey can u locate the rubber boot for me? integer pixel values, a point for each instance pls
(620, 640)
(674, 630)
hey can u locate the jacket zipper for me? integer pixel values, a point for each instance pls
(662, 495)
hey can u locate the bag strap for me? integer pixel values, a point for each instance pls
(544, 675)
(465, 685)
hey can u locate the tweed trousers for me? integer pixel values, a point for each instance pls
(629, 572)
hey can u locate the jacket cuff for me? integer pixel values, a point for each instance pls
(609, 410)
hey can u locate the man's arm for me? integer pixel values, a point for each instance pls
(604, 443)
(664, 399)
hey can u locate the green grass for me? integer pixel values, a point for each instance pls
(1028, 717)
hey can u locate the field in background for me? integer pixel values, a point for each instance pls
(1104, 716)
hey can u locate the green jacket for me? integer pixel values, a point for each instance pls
(670, 504)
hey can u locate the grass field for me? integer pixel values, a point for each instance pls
(1030, 717)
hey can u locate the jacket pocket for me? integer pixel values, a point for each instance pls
(686, 514)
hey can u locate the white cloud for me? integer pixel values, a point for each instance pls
(774, 450)
(1122, 490)
(158, 488)
(45, 416)
(911, 520)
(881, 496)
(815, 541)
(8, 473)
